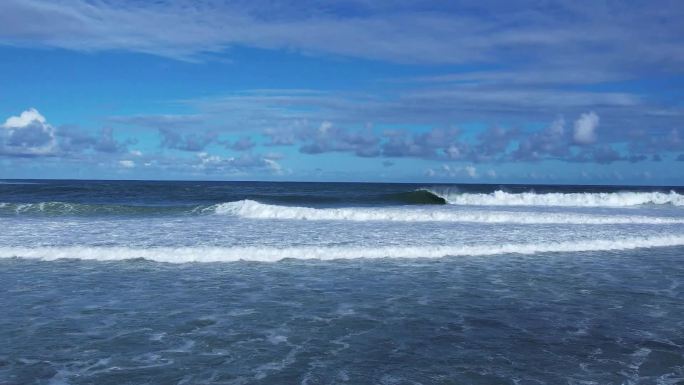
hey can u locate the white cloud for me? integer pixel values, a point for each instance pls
(274, 166)
(28, 134)
(24, 119)
(246, 162)
(127, 163)
(452, 171)
(557, 127)
(471, 171)
(585, 128)
(325, 127)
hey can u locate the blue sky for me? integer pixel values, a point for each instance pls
(462, 91)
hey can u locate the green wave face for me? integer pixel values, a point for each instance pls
(418, 197)
(415, 197)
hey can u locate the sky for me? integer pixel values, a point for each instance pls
(528, 91)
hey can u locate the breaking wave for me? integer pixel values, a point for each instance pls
(418, 205)
(585, 199)
(274, 254)
(255, 210)
(419, 197)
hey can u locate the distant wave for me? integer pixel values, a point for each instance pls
(273, 254)
(251, 208)
(56, 208)
(81, 209)
(599, 199)
(256, 210)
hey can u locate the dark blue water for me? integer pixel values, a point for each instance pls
(156, 193)
(340, 284)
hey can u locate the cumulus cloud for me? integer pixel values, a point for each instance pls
(329, 138)
(192, 142)
(243, 144)
(493, 144)
(549, 142)
(281, 137)
(603, 154)
(25, 119)
(453, 171)
(73, 140)
(107, 143)
(28, 134)
(297, 121)
(433, 144)
(246, 162)
(471, 171)
(585, 128)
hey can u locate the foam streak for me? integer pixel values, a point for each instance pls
(273, 254)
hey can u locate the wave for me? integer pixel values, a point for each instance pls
(81, 209)
(419, 197)
(274, 254)
(586, 199)
(255, 210)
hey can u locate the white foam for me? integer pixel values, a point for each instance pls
(273, 254)
(39, 207)
(256, 210)
(613, 199)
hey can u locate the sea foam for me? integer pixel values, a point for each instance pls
(603, 199)
(255, 210)
(273, 254)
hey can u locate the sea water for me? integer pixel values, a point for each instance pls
(331, 283)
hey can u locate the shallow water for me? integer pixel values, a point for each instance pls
(605, 318)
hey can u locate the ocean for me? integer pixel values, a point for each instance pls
(133, 282)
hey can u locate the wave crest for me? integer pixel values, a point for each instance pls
(255, 210)
(602, 199)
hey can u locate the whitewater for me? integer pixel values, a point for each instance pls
(274, 254)
(127, 282)
(256, 210)
(186, 222)
(582, 199)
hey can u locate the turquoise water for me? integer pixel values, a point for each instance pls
(194, 283)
